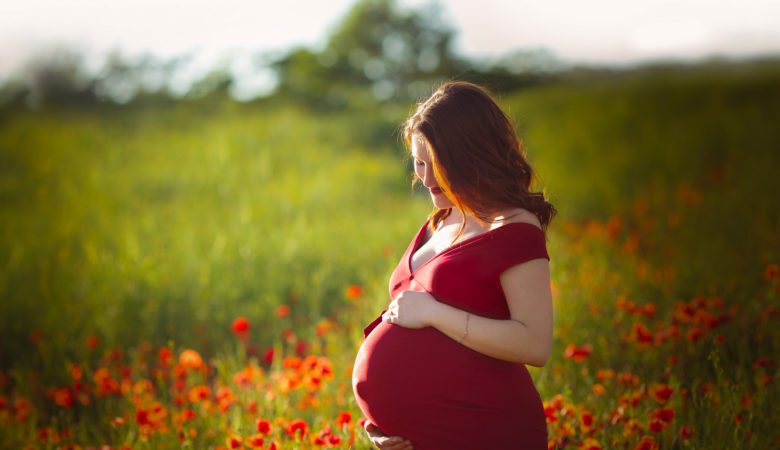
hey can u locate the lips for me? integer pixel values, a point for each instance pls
(436, 191)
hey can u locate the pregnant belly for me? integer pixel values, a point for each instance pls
(422, 385)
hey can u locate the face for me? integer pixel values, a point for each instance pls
(423, 169)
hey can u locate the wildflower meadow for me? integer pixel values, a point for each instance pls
(198, 275)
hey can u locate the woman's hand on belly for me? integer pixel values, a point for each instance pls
(383, 442)
(411, 309)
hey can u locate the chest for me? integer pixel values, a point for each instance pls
(461, 276)
(435, 244)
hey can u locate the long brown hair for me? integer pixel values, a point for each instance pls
(477, 157)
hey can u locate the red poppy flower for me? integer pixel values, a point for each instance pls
(647, 443)
(656, 425)
(92, 341)
(661, 392)
(268, 357)
(578, 354)
(255, 441)
(240, 326)
(344, 418)
(234, 442)
(771, 271)
(685, 432)
(642, 334)
(297, 427)
(300, 347)
(264, 426)
(663, 414)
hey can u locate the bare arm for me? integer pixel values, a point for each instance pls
(525, 338)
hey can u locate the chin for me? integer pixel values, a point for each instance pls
(443, 203)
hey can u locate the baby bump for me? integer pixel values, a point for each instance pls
(419, 383)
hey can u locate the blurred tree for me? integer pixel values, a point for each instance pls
(57, 77)
(122, 79)
(377, 52)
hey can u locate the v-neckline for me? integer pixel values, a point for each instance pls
(416, 245)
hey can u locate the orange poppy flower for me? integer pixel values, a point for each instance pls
(63, 397)
(190, 359)
(605, 374)
(199, 393)
(590, 444)
(353, 291)
(282, 311)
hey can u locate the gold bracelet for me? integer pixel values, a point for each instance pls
(466, 331)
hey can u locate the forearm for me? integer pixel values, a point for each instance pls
(509, 340)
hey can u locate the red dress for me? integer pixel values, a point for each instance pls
(422, 385)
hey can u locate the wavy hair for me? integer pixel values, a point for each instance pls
(476, 154)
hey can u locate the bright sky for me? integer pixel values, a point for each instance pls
(593, 31)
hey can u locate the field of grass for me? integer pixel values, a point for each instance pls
(199, 277)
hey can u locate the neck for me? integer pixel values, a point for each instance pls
(456, 218)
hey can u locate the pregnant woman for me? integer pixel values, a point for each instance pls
(443, 367)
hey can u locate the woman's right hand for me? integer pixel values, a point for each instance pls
(383, 442)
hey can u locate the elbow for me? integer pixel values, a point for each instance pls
(540, 357)
(537, 353)
(534, 359)
(529, 361)
(538, 361)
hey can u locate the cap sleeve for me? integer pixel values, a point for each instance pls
(519, 242)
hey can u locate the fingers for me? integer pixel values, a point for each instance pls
(391, 315)
(383, 442)
(392, 443)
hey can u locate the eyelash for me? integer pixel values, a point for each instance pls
(419, 163)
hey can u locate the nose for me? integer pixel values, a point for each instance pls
(429, 180)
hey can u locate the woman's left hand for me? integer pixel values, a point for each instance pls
(411, 309)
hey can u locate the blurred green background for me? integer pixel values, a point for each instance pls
(163, 218)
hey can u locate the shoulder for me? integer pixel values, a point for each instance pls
(520, 215)
(519, 244)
